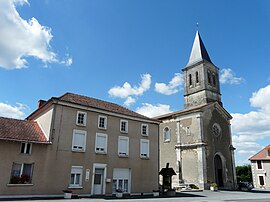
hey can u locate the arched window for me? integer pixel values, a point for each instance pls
(214, 79)
(167, 134)
(197, 77)
(209, 77)
(190, 79)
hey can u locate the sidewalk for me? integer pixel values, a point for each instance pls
(202, 196)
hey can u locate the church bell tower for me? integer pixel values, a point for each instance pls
(201, 78)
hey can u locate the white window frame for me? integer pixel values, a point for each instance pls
(80, 168)
(24, 144)
(126, 129)
(263, 180)
(147, 129)
(106, 143)
(105, 122)
(73, 140)
(257, 165)
(141, 152)
(84, 120)
(127, 148)
(21, 171)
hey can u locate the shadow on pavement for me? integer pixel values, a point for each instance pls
(150, 196)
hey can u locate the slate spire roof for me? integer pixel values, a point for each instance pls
(198, 52)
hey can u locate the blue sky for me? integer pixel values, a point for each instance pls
(132, 52)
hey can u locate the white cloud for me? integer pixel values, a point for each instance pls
(172, 87)
(129, 101)
(10, 111)
(253, 126)
(126, 91)
(20, 38)
(227, 76)
(150, 110)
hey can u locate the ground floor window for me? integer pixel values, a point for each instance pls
(121, 185)
(21, 173)
(76, 176)
(261, 180)
(121, 180)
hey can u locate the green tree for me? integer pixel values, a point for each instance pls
(243, 173)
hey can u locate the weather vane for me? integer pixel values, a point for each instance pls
(197, 25)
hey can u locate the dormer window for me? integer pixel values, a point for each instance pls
(81, 118)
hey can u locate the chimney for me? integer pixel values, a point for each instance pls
(41, 103)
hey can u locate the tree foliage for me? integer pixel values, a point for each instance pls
(243, 173)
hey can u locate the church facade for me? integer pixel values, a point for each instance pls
(196, 141)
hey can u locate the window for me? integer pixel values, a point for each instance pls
(261, 180)
(167, 134)
(144, 129)
(124, 126)
(81, 118)
(259, 165)
(197, 77)
(21, 173)
(102, 122)
(190, 79)
(144, 148)
(214, 79)
(121, 180)
(268, 152)
(76, 176)
(216, 129)
(123, 146)
(79, 140)
(26, 148)
(209, 77)
(101, 143)
(188, 130)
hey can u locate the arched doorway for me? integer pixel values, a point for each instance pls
(218, 171)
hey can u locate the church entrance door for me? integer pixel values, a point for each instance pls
(218, 171)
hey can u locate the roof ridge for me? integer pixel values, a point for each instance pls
(104, 102)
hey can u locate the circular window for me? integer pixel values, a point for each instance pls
(216, 130)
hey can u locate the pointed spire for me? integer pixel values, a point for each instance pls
(198, 52)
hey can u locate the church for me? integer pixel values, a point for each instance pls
(197, 141)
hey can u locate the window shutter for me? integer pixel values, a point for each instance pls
(101, 143)
(79, 140)
(123, 146)
(144, 148)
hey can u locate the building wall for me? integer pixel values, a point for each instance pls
(264, 173)
(186, 133)
(52, 163)
(197, 147)
(218, 145)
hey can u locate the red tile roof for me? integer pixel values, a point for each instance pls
(261, 155)
(21, 130)
(100, 104)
